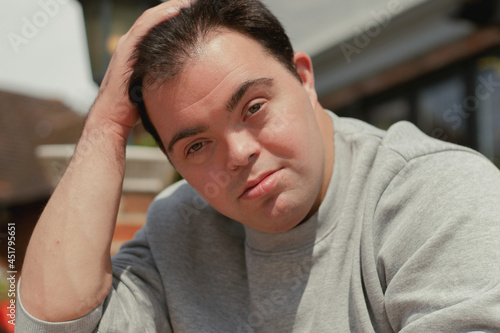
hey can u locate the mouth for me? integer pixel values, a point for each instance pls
(261, 185)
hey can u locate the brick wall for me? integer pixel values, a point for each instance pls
(131, 217)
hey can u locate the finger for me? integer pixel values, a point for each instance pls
(151, 18)
(158, 14)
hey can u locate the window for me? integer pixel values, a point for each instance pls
(106, 21)
(443, 109)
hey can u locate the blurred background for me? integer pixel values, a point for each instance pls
(433, 63)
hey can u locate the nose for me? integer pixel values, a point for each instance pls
(243, 149)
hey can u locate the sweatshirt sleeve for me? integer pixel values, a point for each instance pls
(439, 254)
(135, 302)
(26, 323)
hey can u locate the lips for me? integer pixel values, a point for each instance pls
(261, 185)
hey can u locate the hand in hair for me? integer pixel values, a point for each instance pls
(67, 268)
(114, 107)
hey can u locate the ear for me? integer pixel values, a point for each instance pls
(303, 65)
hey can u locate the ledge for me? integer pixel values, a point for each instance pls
(147, 170)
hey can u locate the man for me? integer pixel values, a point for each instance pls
(291, 219)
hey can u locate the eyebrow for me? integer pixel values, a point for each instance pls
(186, 134)
(230, 105)
(238, 95)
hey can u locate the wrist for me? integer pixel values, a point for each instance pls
(108, 119)
(100, 130)
(113, 111)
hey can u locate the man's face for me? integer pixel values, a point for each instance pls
(243, 131)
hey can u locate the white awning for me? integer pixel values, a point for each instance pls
(351, 40)
(314, 25)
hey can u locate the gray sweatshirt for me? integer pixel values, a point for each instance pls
(407, 239)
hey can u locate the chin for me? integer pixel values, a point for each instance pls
(281, 221)
(283, 213)
(271, 223)
(273, 227)
(287, 215)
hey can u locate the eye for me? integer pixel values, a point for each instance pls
(196, 147)
(254, 109)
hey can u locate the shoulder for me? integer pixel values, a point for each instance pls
(436, 220)
(179, 202)
(402, 138)
(407, 159)
(175, 194)
(445, 170)
(431, 172)
(421, 186)
(402, 142)
(444, 177)
(403, 151)
(406, 140)
(440, 195)
(180, 212)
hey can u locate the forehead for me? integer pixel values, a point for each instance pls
(224, 60)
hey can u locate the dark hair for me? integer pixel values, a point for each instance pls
(166, 48)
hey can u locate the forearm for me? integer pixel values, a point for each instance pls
(67, 269)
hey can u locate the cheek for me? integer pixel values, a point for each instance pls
(275, 137)
(194, 177)
(288, 132)
(210, 183)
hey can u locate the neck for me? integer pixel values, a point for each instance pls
(327, 131)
